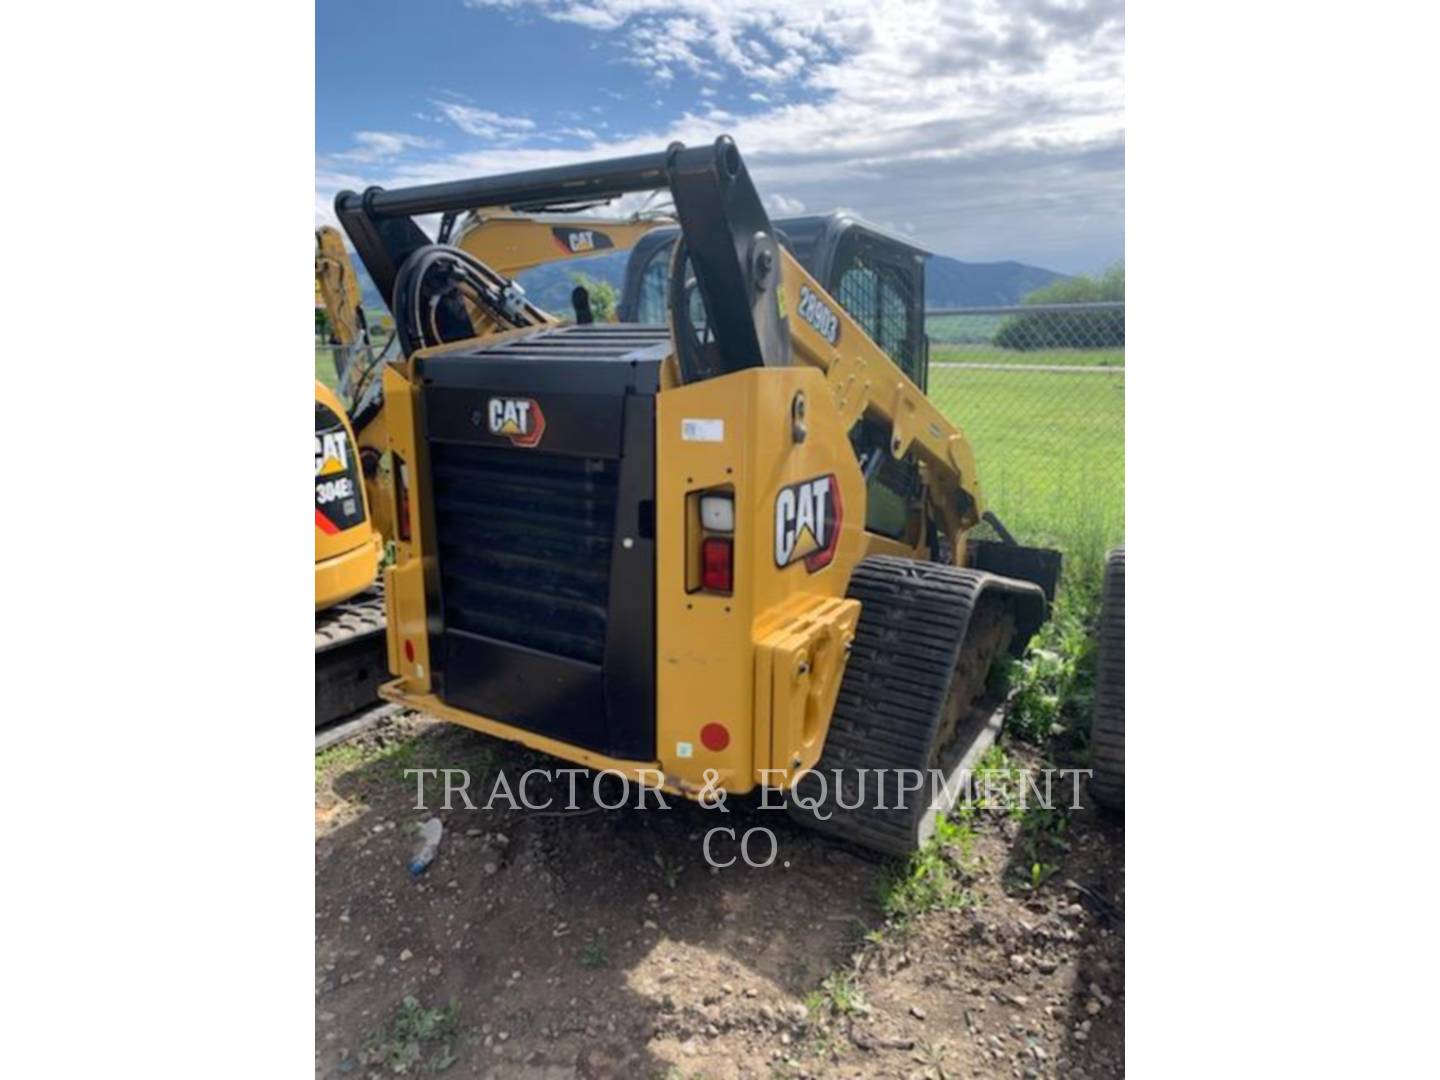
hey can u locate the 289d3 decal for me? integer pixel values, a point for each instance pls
(819, 315)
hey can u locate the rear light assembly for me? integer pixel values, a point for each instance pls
(716, 537)
(717, 564)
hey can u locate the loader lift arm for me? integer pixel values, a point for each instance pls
(733, 247)
(748, 284)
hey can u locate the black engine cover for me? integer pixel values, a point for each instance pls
(540, 493)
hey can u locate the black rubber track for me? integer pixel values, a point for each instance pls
(1107, 728)
(360, 615)
(350, 656)
(913, 621)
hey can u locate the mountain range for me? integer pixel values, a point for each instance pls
(948, 282)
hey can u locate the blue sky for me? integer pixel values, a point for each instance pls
(985, 130)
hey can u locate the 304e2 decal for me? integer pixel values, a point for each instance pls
(807, 522)
(517, 419)
(338, 504)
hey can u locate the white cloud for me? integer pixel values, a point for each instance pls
(782, 205)
(995, 128)
(373, 146)
(482, 122)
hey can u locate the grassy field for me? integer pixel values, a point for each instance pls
(1050, 449)
(962, 328)
(324, 366)
(942, 353)
(1050, 446)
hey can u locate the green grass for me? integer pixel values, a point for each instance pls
(407, 1045)
(1050, 446)
(838, 995)
(932, 879)
(436, 750)
(594, 956)
(1052, 687)
(356, 754)
(989, 354)
(1042, 834)
(325, 366)
(962, 328)
(1050, 451)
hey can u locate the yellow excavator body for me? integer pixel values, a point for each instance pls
(511, 243)
(347, 547)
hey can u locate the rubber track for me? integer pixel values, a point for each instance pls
(1107, 728)
(913, 621)
(350, 656)
(360, 615)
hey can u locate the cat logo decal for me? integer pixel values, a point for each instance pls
(807, 522)
(517, 419)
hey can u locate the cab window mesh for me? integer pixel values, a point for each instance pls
(877, 296)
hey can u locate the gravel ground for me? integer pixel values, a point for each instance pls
(601, 944)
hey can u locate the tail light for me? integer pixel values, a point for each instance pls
(711, 541)
(717, 564)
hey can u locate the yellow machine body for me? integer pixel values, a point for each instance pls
(347, 548)
(686, 553)
(511, 243)
(766, 661)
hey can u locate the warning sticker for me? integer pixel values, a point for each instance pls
(702, 430)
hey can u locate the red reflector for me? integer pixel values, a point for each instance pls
(715, 564)
(410, 651)
(714, 737)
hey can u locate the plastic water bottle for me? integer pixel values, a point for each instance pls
(430, 834)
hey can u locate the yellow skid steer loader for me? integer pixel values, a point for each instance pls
(725, 552)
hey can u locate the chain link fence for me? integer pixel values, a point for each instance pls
(1040, 392)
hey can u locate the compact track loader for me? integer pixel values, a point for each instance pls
(724, 552)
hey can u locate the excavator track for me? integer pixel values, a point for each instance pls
(927, 637)
(350, 659)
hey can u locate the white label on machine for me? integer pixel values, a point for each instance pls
(684, 749)
(702, 430)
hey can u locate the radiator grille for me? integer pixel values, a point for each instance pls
(524, 543)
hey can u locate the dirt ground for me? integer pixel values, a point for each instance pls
(601, 944)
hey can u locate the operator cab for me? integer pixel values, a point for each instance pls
(880, 281)
(877, 277)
